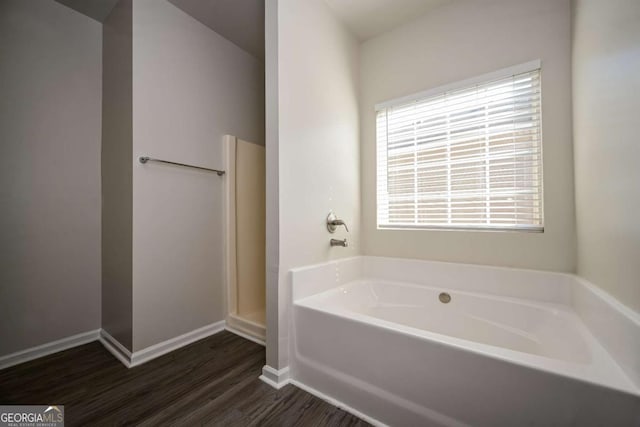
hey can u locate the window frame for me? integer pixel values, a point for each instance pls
(440, 90)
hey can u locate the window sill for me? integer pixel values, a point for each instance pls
(461, 228)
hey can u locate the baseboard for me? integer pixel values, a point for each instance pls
(157, 350)
(114, 347)
(275, 378)
(244, 335)
(136, 358)
(48, 348)
(337, 403)
(119, 351)
(246, 328)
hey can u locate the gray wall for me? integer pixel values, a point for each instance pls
(272, 166)
(190, 87)
(50, 84)
(117, 180)
(606, 84)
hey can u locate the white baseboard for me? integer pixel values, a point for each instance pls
(48, 348)
(136, 358)
(114, 347)
(157, 350)
(251, 330)
(338, 404)
(275, 378)
(244, 335)
(280, 378)
(119, 351)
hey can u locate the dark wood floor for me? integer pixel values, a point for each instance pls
(211, 382)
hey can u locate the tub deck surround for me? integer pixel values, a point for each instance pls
(511, 346)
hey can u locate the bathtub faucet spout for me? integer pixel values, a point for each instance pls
(336, 242)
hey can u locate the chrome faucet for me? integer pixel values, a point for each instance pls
(333, 222)
(336, 242)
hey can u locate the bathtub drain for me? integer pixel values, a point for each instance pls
(444, 297)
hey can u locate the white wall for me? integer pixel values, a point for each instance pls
(50, 86)
(318, 148)
(190, 87)
(606, 85)
(459, 40)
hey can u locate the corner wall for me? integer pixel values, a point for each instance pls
(318, 147)
(117, 181)
(50, 84)
(272, 166)
(456, 41)
(606, 84)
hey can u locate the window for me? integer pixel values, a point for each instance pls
(465, 156)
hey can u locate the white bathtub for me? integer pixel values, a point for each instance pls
(512, 347)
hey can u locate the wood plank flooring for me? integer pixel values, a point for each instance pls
(211, 382)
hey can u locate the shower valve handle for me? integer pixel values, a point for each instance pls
(333, 222)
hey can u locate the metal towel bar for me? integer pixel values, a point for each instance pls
(145, 159)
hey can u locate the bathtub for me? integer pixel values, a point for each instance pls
(411, 343)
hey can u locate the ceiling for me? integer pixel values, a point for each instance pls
(370, 18)
(96, 9)
(240, 21)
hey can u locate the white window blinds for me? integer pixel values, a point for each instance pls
(464, 158)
